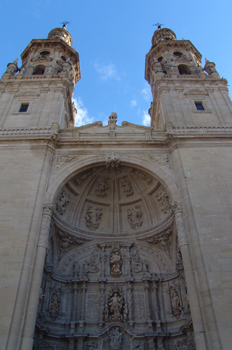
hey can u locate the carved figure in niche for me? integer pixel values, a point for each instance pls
(116, 263)
(135, 217)
(115, 304)
(93, 217)
(115, 338)
(127, 188)
(62, 202)
(115, 309)
(79, 180)
(102, 189)
(163, 198)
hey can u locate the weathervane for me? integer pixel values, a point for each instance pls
(65, 24)
(158, 25)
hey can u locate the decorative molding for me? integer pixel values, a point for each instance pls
(32, 133)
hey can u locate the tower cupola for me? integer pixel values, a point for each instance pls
(163, 34)
(61, 33)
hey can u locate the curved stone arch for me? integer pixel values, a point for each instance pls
(63, 175)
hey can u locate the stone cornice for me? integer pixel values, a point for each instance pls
(47, 133)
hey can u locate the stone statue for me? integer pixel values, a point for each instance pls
(12, 68)
(116, 262)
(176, 302)
(115, 304)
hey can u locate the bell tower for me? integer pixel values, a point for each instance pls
(40, 94)
(184, 93)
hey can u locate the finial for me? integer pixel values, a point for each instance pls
(65, 24)
(158, 25)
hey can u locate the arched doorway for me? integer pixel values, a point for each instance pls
(113, 277)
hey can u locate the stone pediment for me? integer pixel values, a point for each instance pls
(125, 127)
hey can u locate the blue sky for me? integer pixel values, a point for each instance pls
(112, 38)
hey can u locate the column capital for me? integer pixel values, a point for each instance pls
(177, 207)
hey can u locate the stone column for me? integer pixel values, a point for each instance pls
(102, 278)
(192, 292)
(130, 303)
(80, 344)
(156, 305)
(74, 302)
(74, 308)
(27, 340)
(102, 304)
(147, 304)
(82, 320)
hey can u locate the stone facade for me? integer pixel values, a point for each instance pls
(115, 237)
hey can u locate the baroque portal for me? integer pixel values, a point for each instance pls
(113, 277)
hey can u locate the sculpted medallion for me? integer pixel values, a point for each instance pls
(93, 217)
(135, 217)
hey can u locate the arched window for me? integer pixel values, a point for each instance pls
(177, 54)
(39, 70)
(183, 69)
(45, 53)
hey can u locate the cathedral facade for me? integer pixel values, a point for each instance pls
(115, 237)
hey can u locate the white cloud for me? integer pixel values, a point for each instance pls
(133, 103)
(107, 71)
(82, 117)
(146, 119)
(146, 92)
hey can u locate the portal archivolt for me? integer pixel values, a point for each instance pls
(113, 277)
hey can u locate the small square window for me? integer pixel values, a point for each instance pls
(199, 106)
(24, 107)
